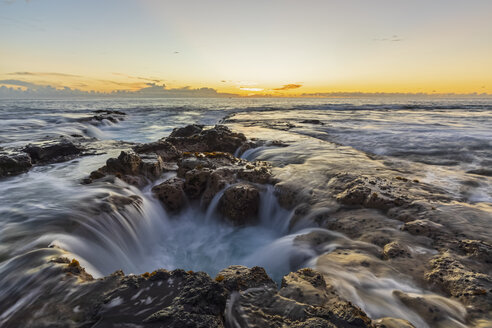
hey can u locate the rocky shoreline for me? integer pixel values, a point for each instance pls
(387, 214)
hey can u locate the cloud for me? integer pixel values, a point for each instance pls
(288, 87)
(24, 89)
(42, 74)
(19, 83)
(393, 38)
(251, 89)
(148, 79)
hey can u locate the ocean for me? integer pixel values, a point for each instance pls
(444, 144)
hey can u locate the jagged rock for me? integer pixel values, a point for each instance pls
(53, 152)
(171, 193)
(238, 277)
(131, 168)
(240, 204)
(219, 138)
(458, 280)
(162, 148)
(127, 163)
(368, 192)
(217, 181)
(151, 166)
(395, 249)
(477, 249)
(186, 131)
(260, 173)
(14, 164)
(424, 228)
(164, 299)
(196, 182)
(304, 300)
(73, 268)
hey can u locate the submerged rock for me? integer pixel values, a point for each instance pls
(101, 115)
(240, 204)
(53, 152)
(318, 122)
(14, 164)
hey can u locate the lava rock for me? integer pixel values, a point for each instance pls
(240, 204)
(14, 164)
(219, 138)
(196, 182)
(304, 300)
(186, 131)
(424, 227)
(171, 193)
(53, 152)
(126, 163)
(162, 148)
(395, 249)
(238, 278)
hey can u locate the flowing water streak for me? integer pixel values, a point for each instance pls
(48, 206)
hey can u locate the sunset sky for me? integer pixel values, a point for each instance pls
(248, 47)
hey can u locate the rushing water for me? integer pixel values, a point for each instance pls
(448, 140)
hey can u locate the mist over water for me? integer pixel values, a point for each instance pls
(448, 143)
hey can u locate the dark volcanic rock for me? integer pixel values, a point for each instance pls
(113, 116)
(395, 249)
(171, 193)
(313, 122)
(367, 192)
(196, 181)
(163, 299)
(238, 278)
(186, 131)
(126, 163)
(14, 164)
(53, 152)
(162, 148)
(219, 138)
(131, 168)
(304, 300)
(240, 204)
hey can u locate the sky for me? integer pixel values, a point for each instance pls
(225, 47)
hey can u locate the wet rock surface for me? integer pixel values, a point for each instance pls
(18, 161)
(240, 203)
(380, 224)
(14, 164)
(237, 297)
(303, 300)
(203, 163)
(171, 193)
(53, 152)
